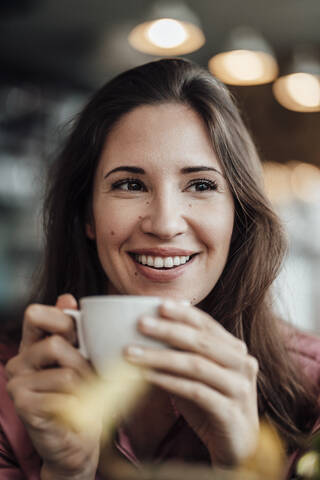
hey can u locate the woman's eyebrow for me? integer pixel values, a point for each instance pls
(125, 169)
(185, 170)
(200, 169)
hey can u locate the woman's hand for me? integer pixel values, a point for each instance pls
(213, 378)
(42, 379)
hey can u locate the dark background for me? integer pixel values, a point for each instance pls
(81, 43)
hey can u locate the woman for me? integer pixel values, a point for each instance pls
(158, 192)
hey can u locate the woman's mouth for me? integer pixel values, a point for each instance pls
(162, 269)
(165, 263)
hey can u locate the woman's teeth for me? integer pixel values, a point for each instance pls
(161, 262)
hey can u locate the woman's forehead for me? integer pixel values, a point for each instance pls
(144, 117)
(167, 133)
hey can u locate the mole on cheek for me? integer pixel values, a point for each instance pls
(148, 203)
(136, 274)
(112, 232)
(190, 205)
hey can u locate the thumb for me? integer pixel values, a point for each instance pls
(66, 301)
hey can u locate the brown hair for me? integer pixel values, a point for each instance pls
(240, 300)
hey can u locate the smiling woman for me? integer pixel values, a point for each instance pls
(158, 192)
(168, 149)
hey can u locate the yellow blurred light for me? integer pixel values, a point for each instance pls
(244, 67)
(304, 88)
(299, 92)
(243, 64)
(309, 465)
(166, 33)
(166, 36)
(277, 182)
(305, 182)
(268, 461)
(99, 405)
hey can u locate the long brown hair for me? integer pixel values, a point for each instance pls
(240, 300)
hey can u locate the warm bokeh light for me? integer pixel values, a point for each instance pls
(277, 182)
(284, 182)
(305, 182)
(305, 89)
(308, 465)
(166, 33)
(299, 92)
(166, 36)
(244, 67)
(243, 64)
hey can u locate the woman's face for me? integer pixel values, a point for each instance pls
(162, 209)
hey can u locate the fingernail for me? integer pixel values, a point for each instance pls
(169, 304)
(149, 322)
(134, 351)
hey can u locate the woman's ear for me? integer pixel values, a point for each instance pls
(89, 225)
(90, 231)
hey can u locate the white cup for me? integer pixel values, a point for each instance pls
(106, 324)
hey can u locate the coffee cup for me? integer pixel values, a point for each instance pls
(106, 324)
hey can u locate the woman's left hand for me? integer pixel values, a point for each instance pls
(211, 374)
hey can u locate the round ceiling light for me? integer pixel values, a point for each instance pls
(244, 67)
(299, 92)
(299, 89)
(166, 36)
(246, 59)
(167, 33)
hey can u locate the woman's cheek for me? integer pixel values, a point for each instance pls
(215, 227)
(115, 228)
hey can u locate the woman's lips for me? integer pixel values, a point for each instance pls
(162, 275)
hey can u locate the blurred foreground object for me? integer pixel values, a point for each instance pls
(111, 400)
(178, 471)
(308, 466)
(116, 397)
(268, 463)
(104, 400)
(269, 459)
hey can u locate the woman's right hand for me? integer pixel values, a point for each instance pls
(43, 378)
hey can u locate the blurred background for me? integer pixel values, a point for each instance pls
(53, 55)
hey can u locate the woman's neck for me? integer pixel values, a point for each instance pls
(149, 423)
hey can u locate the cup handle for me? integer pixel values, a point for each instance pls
(77, 316)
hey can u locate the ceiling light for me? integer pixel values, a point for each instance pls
(167, 33)
(300, 89)
(170, 29)
(247, 59)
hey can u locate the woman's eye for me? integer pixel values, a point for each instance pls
(129, 185)
(203, 185)
(135, 185)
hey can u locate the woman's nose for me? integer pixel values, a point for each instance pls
(164, 218)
